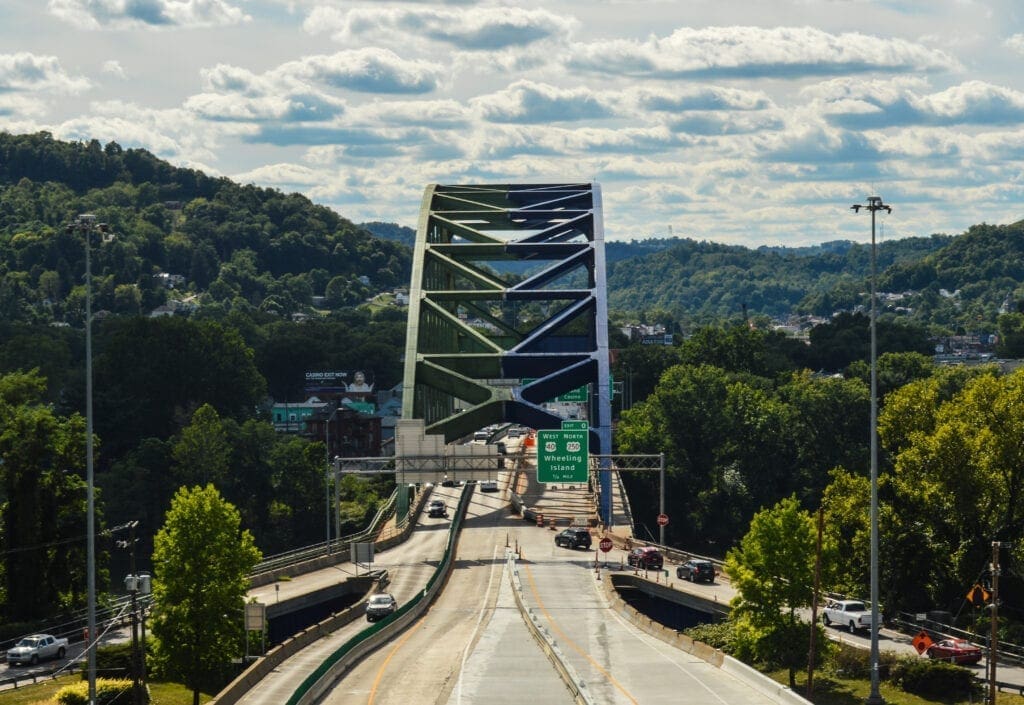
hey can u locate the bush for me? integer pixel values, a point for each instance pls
(850, 662)
(934, 679)
(113, 660)
(717, 636)
(108, 691)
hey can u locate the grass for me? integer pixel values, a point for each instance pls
(832, 690)
(42, 693)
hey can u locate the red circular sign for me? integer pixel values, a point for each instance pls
(605, 544)
(663, 520)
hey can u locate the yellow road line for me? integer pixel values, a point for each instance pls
(384, 666)
(570, 642)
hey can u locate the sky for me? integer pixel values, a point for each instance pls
(748, 122)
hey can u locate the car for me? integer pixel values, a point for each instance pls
(489, 486)
(514, 433)
(380, 606)
(574, 537)
(448, 482)
(955, 651)
(437, 508)
(646, 558)
(696, 570)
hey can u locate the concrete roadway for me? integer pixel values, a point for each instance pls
(409, 565)
(473, 646)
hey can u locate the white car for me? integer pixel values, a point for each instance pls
(489, 486)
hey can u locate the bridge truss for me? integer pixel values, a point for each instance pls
(508, 309)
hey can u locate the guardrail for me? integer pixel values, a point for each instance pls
(300, 555)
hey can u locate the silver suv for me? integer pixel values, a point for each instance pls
(380, 606)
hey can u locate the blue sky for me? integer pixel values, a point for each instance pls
(740, 121)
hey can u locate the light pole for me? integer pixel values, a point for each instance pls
(86, 224)
(874, 205)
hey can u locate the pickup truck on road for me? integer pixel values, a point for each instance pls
(35, 648)
(850, 614)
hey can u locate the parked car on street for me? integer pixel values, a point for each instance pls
(646, 558)
(573, 538)
(696, 570)
(380, 606)
(955, 651)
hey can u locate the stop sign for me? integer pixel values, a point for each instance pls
(663, 520)
(605, 544)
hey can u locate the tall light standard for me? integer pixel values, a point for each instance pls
(86, 224)
(874, 205)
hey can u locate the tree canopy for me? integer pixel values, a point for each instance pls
(201, 560)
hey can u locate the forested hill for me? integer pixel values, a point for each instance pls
(230, 244)
(705, 281)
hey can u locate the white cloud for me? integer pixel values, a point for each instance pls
(530, 102)
(114, 68)
(756, 52)
(1016, 43)
(692, 97)
(174, 135)
(369, 70)
(283, 176)
(149, 14)
(853, 105)
(479, 28)
(17, 104)
(31, 72)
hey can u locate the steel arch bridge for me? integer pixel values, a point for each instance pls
(508, 310)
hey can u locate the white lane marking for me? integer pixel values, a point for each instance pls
(476, 629)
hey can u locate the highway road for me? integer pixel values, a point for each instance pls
(473, 644)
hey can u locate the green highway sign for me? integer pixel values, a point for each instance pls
(575, 395)
(574, 425)
(578, 395)
(562, 455)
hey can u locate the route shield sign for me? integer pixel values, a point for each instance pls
(562, 455)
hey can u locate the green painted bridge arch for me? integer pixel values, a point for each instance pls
(508, 310)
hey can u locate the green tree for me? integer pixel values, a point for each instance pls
(42, 514)
(772, 571)
(201, 559)
(202, 452)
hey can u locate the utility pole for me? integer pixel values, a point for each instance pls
(132, 584)
(993, 648)
(814, 606)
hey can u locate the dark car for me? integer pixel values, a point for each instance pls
(573, 538)
(954, 651)
(646, 558)
(694, 571)
(437, 508)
